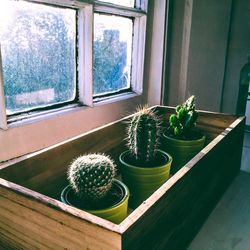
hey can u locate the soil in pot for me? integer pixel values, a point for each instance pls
(159, 160)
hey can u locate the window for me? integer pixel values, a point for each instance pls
(68, 52)
(38, 55)
(112, 53)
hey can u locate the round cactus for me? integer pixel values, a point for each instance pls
(184, 119)
(143, 135)
(91, 176)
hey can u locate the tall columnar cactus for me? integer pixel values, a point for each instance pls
(184, 119)
(91, 176)
(143, 135)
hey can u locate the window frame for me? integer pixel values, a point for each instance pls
(6, 120)
(138, 46)
(84, 65)
(3, 115)
(54, 106)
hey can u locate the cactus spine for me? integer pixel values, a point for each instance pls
(143, 135)
(91, 176)
(184, 120)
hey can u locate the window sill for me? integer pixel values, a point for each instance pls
(33, 117)
(37, 116)
(110, 99)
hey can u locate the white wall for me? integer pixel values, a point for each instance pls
(155, 47)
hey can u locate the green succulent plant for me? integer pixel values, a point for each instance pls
(181, 123)
(91, 176)
(143, 135)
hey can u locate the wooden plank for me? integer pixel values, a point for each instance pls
(180, 206)
(44, 221)
(50, 165)
(54, 161)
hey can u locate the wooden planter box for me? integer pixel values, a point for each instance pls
(32, 216)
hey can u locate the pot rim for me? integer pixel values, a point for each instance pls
(184, 141)
(169, 157)
(118, 182)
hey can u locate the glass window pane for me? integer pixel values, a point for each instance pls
(38, 53)
(127, 3)
(112, 53)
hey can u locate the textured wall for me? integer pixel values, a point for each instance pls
(208, 43)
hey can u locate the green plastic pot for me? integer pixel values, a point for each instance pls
(182, 150)
(143, 181)
(116, 213)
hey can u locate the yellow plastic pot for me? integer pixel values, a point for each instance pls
(116, 213)
(143, 181)
(182, 150)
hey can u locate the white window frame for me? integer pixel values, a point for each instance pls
(86, 10)
(3, 120)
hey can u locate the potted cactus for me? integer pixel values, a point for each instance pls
(92, 187)
(144, 166)
(182, 139)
